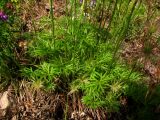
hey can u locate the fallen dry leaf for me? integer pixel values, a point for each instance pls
(4, 102)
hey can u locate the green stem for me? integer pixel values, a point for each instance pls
(123, 33)
(113, 13)
(52, 19)
(102, 13)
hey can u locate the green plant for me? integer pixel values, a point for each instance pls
(8, 62)
(81, 64)
(103, 90)
(83, 56)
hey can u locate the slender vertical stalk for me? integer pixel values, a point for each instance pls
(82, 10)
(75, 11)
(66, 110)
(72, 23)
(52, 20)
(101, 19)
(102, 13)
(66, 7)
(72, 17)
(125, 27)
(123, 32)
(113, 13)
(118, 31)
(133, 68)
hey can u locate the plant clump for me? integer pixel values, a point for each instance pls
(90, 59)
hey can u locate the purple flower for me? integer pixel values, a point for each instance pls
(3, 16)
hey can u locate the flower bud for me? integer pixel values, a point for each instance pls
(4, 17)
